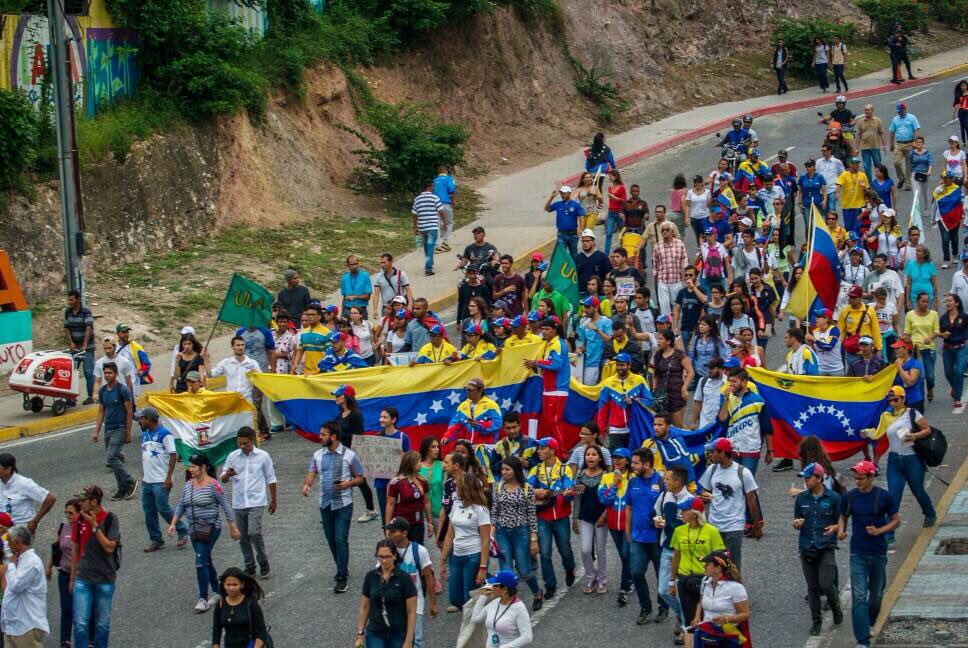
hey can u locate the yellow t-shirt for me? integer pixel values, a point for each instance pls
(693, 544)
(852, 187)
(919, 327)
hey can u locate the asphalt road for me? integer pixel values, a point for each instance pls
(152, 606)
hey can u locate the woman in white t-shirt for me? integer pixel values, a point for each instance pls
(504, 616)
(723, 599)
(954, 158)
(904, 466)
(466, 545)
(695, 206)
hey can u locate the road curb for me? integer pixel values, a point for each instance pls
(641, 154)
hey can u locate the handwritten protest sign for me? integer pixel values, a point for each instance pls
(380, 456)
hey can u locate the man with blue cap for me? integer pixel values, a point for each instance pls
(338, 357)
(614, 399)
(477, 348)
(520, 335)
(594, 332)
(477, 419)
(438, 350)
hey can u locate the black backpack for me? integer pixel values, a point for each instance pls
(932, 448)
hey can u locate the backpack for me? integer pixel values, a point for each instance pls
(713, 263)
(932, 448)
(599, 157)
(117, 548)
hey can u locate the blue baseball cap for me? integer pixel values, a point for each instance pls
(691, 504)
(337, 335)
(812, 470)
(548, 442)
(331, 308)
(473, 329)
(709, 230)
(730, 362)
(623, 357)
(755, 152)
(518, 320)
(402, 313)
(533, 316)
(503, 322)
(622, 452)
(760, 239)
(504, 578)
(964, 255)
(542, 266)
(344, 390)
(591, 301)
(662, 319)
(436, 329)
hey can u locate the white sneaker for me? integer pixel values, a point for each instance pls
(214, 599)
(201, 605)
(366, 517)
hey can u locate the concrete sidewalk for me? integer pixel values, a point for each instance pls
(513, 214)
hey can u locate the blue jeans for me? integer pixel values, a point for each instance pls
(851, 219)
(949, 243)
(514, 545)
(840, 78)
(868, 575)
(821, 69)
(204, 567)
(929, 358)
(88, 598)
(613, 223)
(66, 604)
(954, 361)
(462, 577)
(560, 531)
(641, 554)
(429, 243)
(831, 203)
(665, 575)
(336, 528)
(88, 371)
(374, 639)
(870, 158)
(908, 469)
(570, 241)
(622, 546)
(154, 502)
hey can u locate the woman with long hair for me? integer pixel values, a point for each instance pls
(593, 289)
(910, 373)
(960, 110)
(695, 206)
(599, 159)
(607, 302)
(690, 542)
(201, 500)
(704, 345)
(387, 614)
(238, 621)
(388, 430)
(465, 552)
(616, 199)
(350, 421)
(884, 186)
(922, 325)
(453, 465)
(476, 315)
(546, 308)
(809, 451)
(722, 599)
(677, 196)
(886, 237)
(362, 330)
(954, 159)
(504, 616)
(954, 345)
(722, 168)
(397, 334)
(922, 164)
(717, 303)
(820, 60)
(286, 342)
(588, 520)
(672, 373)
(735, 317)
(60, 558)
(189, 358)
(352, 342)
(515, 525)
(407, 497)
(589, 196)
(749, 353)
(432, 470)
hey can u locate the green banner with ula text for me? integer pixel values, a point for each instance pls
(246, 303)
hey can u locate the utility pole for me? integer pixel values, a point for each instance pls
(70, 185)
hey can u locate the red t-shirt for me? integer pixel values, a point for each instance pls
(615, 204)
(409, 500)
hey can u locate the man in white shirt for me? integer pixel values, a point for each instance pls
(830, 168)
(422, 574)
(19, 495)
(389, 282)
(883, 277)
(253, 479)
(708, 394)
(158, 459)
(126, 372)
(728, 490)
(24, 614)
(959, 281)
(235, 368)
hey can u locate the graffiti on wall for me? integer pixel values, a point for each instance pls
(30, 56)
(253, 18)
(111, 69)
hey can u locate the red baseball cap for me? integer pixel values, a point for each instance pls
(6, 520)
(864, 467)
(537, 256)
(549, 442)
(722, 444)
(345, 390)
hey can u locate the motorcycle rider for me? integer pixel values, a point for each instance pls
(845, 118)
(754, 139)
(737, 139)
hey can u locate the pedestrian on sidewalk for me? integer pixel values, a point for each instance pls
(821, 58)
(158, 459)
(428, 217)
(114, 414)
(20, 496)
(444, 189)
(253, 479)
(781, 56)
(24, 615)
(904, 128)
(873, 514)
(898, 43)
(79, 325)
(599, 159)
(94, 568)
(568, 213)
(960, 111)
(816, 512)
(838, 59)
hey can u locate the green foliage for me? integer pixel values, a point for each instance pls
(593, 84)
(952, 13)
(18, 132)
(414, 144)
(129, 120)
(884, 14)
(798, 34)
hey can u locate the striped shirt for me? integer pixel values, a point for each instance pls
(341, 464)
(426, 208)
(203, 503)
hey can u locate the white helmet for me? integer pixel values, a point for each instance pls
(840, 99)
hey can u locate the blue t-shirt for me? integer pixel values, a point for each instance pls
(873, 508)
(642, 494)
(592, 341)
(113, 401)
(814, 189)
(444, 188)
(921, 162)
(913, 393)
(358, 285)
(883, 190)
(567, 213)
(722, 227)
(404, 447)
(904, 127)
(920, 274)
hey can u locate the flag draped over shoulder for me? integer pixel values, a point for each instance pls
(834, 409)
(950, 208)
(562, 274)
(203, 423)
(820, 284)
(246, 303)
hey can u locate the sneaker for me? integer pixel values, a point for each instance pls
(536, 603)
(452, 608)
(155, 546)
(119, 495)
(182, 541)
(569, 578)
(201, 605)
(249, 571)
(602, 588)
(678, 636)
(644, 616)
(944, 266)
(815, 628)
(929, 521)
(214, 599)
(275, 428)
(662, 616)
(439, 249)
(366, 517)
(88, 401)
(588, 588)
(783, 465)
(428, 273)
(550, 591)
(130, 491)
(623, 598)
(930, 395)
(838, 615)
(445, 246)
(957, 404)
(341, 587)
(264, 571)
(900, 183)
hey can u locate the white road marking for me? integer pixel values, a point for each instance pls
(824, 637)
(550, 605)
(45, 437)
(947, 123)
(787, 148)
(914, 95)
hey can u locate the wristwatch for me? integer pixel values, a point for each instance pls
(95, 529)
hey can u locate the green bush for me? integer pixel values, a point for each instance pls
(953, 13)
(18, 132)
(798, 34)
(884, 14)
(127, 121)
(414, 144)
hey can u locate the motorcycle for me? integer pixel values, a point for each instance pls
(839, 137)
(730, 153)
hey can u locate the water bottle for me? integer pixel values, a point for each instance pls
(418, 242)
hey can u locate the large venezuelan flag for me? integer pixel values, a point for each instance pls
(820, 284)
(834, 409)
(950, 207)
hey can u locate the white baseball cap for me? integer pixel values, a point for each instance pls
(588, 233)
(746, 221)
(187, 329)
(565, 189)
(953, 138)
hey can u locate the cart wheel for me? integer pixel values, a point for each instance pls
(26, 403)
(58, 407)
(36, 404)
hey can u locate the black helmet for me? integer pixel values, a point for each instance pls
(747, 119)
(737, 121)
